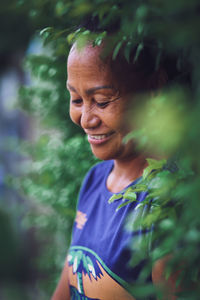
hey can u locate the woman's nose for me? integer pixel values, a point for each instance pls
(89, 119)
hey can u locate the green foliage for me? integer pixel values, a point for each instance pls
(171, 209)
(162, 122)
(52, 182)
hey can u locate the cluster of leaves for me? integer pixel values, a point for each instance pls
(130, 193)
(169, 216)
(52, 182)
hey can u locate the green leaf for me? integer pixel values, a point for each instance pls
(124, 204)
(153, 165)
(140, 188)
(86, 32)
(140, 205)
(127, 51)
(71, 37)
(115, 197)
(146, 172)
(156, 163)
(139, 49)
(45, 30)
(116, 50)
(130, 195)
(100, 38)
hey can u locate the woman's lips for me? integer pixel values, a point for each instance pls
(97, 139)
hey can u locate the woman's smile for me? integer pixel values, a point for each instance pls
(98, 139)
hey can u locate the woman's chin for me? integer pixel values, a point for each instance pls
(102, 154)
(123, 152)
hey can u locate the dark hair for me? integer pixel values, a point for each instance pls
(149, 61)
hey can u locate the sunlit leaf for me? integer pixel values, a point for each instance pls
(115, 197)
(130, 195)
(124, 204)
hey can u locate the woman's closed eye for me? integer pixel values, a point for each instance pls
(102, 104)
(99, 103)
(105, 103)
(77, 101)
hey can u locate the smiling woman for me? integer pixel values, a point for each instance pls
(97, 265)
(98, 102)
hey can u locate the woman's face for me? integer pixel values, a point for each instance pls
(98, 103)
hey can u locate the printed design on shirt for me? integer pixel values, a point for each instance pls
(90, 278)
(83, 264)
(80, 220)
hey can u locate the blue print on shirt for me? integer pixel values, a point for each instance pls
(83, 264)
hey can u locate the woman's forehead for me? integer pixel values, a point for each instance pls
(87, 63)
(86, 55)
(91, 61)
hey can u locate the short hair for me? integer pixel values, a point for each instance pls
(150, 60)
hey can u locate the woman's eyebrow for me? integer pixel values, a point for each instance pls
(92, 90)
(71, 88)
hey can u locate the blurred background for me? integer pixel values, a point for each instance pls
(44, 157)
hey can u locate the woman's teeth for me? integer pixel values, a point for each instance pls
(100, 136)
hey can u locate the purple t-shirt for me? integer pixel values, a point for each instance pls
(99, 254)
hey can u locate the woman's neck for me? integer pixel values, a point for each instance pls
(125, 172)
